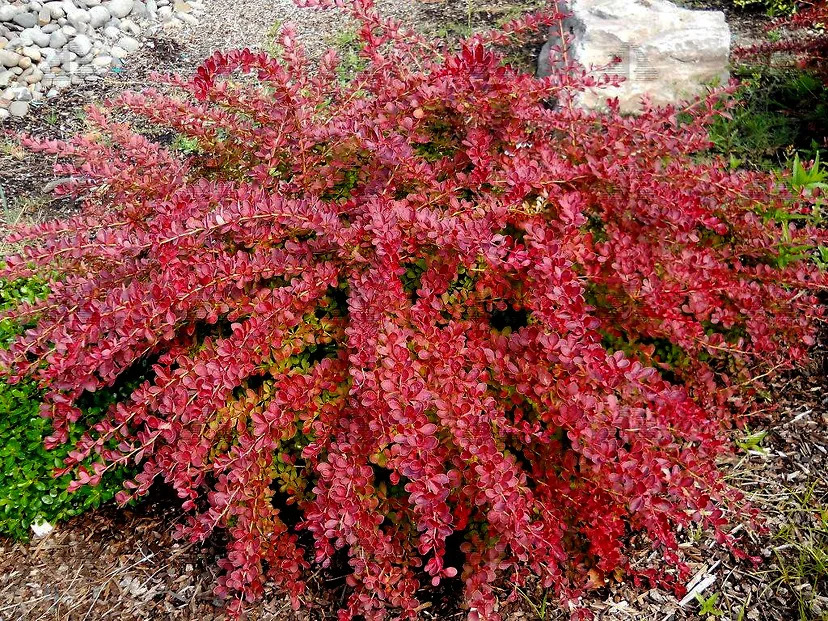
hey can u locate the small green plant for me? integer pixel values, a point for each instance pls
(810, 182)
(539, 608)
(707, 607)
(271, 37)
(11, 149)
(752, 441)
(743, 608)
(811, 178)
(28, 491)
(348, 46)
(186, 144)
(802, 553)
(774, 8)
(777, 114)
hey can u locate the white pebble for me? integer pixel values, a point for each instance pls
(129, 44)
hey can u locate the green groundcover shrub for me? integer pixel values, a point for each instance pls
(28, 490)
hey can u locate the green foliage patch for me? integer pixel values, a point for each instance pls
(778, 114)
(29, 492)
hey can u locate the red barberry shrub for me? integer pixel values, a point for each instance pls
(424, 303)
(803, 38)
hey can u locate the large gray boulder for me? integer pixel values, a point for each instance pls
(665, 51)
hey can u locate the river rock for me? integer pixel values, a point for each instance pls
(129, 44)
(98, 15)
(37, 36)
(9, 59)
(48, 45)
(8, 12)
(25, 19)
(80, 45)
(57, 40)
(55, 9)
(18, 108)
(120, 8)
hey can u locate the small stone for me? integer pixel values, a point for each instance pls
(9, 59)
(4, 114)
(118, 52)
(25, 19)
(19, 109)
(81, 45)
(120, 8)
(127, 25)
(91, 3)
(36, 36)
(41, 528)
(112, 32)
(33, 52)
(69, 31)
(25, 62)
(182, 6)
(55, 9)
(35, 76)
(188, 19)
(6, 78)
(99, 15)
(129, 44)
(102, 61)
(77, 17)
(8, 12)
(50, 28)
(139, 9)
(21, 93)
(58, 40)
(44, 16)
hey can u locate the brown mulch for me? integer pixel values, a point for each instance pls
(109, 564)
